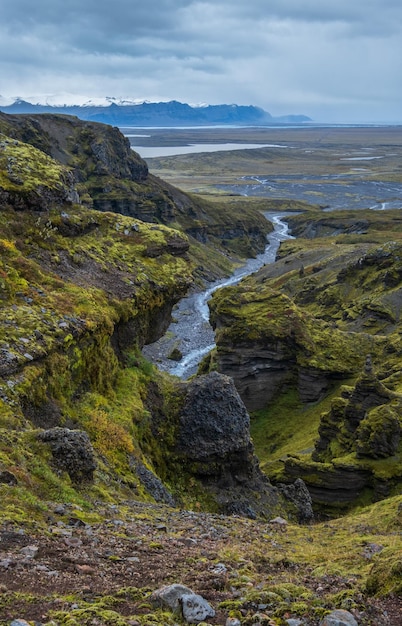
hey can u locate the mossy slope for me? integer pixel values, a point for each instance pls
(109, 176)
(307, 324)
(81, 291)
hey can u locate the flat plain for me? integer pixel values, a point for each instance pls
(332, 167)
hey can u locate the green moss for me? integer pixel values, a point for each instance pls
(274, 433)
(23, 168)
(86, 616)
(57, 331)
(379, 433)
(385, 577)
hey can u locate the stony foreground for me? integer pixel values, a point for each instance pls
(102, 567)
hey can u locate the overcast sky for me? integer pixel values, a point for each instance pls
(333, 61)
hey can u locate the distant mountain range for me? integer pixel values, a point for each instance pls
(124, 112)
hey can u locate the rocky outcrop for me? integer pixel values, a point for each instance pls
(108, 174)
(33, 181)
(328, 485)
(213, 441)
(258, 370)
(301, 498)
(88, 148)
(328, 226)
(364, 424)
(175, 245)
(152, 484)
(214, 422)
(72, 452)
(366, 420)
(266, 343)
(379, 433)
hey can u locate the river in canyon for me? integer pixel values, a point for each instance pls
(190, 331)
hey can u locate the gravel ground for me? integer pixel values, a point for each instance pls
(72, 566)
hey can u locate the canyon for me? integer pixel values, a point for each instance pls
(286, 429)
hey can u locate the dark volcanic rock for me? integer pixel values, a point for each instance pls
(300, 496)
(369, 423)
(72, 452)
(7, 478)
(152, 484)
(176, 246)
(214, 420)
(312, 384)
(259, 370)
(369, 392)
(330, 485)
(214, 443)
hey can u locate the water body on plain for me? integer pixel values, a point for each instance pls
(149, 152)
(347, 190)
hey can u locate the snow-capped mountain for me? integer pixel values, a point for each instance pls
(66, 99)
(121, 111)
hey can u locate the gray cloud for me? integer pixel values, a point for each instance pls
(333, 61)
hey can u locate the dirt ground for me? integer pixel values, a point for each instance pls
(74, 562)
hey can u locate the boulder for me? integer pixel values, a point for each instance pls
(153, 485)
(301, 498)
(214, 420)
(194, 608)
(339, 617)
(8, 478)
(72, 452)
(213, 443)
(169, 596)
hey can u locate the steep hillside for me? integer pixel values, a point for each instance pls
(326, 315)
(108, 176)
(82, 291)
